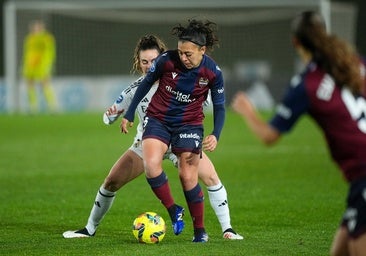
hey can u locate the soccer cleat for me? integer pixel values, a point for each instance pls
(82, 233)
(178, 224)
(200, 238)
(230, 234)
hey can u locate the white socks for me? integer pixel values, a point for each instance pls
(218, 199)
(103, 202)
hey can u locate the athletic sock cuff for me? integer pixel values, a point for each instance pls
(215, 188)
(194, 195)
(157, 181)
(106, 193)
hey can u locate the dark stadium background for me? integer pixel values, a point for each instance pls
(360, 36)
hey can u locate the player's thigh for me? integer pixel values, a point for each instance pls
(357, 247)
(153, 154)
(30, 75)
(125, 169)
(155, 141)
(340, 242)
(38, 73)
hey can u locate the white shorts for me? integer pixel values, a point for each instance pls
(137, 148)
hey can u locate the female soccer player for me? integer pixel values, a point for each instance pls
(130, 164)
(332, 91)
(38, 59)
(174, 118)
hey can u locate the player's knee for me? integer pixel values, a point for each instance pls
(153, 167)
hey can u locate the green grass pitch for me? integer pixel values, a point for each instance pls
(285, 200)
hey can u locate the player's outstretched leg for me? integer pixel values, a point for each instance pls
(103, 202)
(218, 197)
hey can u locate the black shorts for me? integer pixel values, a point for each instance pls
(354, 219)
(185, 138)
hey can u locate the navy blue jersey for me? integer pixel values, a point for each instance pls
(181, 92)
(340, 114)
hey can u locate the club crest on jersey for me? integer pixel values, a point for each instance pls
(174, 75)
(203, 82)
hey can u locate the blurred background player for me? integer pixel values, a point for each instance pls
(130, 164)
(332, 91)
(39, 53)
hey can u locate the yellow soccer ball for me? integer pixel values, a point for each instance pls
(149, 228)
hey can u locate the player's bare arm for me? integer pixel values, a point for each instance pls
(242, 105)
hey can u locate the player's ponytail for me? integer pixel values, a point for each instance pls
(332, 54)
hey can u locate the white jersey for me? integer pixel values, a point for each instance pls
(121, 105)
(123, 102)
(125, 98)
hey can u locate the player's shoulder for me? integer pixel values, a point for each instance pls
(170, 53)
(133, 86)
(138, 81)
(312, 82)
(167, 55)
(209, 61)
(307, 73)
(314, 76)
(168, 60)
(210, 64)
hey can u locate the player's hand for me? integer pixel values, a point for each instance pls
(112, 114)
(241, 104)
(113, 110)
(209, 143)
(124, 124)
